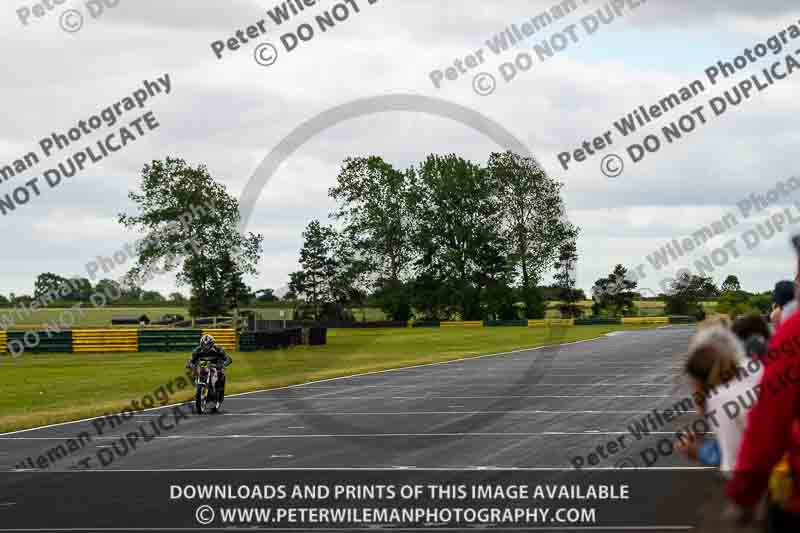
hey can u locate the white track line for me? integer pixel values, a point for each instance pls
(358, 435)
(563, 468)
(425, 413)
(560, 396)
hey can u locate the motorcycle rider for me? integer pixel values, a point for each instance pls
(217, 356)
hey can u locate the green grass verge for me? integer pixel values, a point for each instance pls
(49, 388)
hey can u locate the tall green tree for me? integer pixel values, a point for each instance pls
(731, 284)
(686, 293)
(372, 198)
(457, 213)
(565, 277)
(191, 226)
(316, 279)
(614, 293)
(533, 218)
(51, 286)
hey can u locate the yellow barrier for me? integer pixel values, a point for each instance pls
(105, 340)
(646, 320)
(224, 337)
(462, 323)
(550, 322)
(3, 341)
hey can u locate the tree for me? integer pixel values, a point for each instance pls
(373, 207)
(614, 293)
(153, 297)
(4, 301)
(266, 295)
(177, 298)
(685, 294)
(456, 213)
(731, 284)
(237, 293)
(81, 289)
(735, 303)
(191, 225)
(110, 288)
(315, 279)
(533, 217)
(51, 287)
(289, 296)
(565, 276)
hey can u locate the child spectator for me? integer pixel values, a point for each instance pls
(715, 367)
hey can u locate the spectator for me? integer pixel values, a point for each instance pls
(715, 367)
(772, 436)
(782, 296)
(753, 331)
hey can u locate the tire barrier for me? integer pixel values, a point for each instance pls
(105, 340)
(267, 325)
(39, 341)
(169, 340)
(317, 336)
(226, 338)
(247, 342)
(646, 320)
(679, 319)
(462, 323)
(597, 321)
(3, 342)
(551, 322)
(505, 323)
(426, 324)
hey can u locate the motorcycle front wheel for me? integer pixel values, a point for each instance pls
(200, 399)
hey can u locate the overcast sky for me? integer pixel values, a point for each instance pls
(230, 113)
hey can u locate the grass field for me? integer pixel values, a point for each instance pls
(39, 389)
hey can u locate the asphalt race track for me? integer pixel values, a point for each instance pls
(532, 410)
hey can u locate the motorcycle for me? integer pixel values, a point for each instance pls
(208, 395)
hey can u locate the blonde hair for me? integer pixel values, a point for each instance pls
(715, 320)
(715, 355)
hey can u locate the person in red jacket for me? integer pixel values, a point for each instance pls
(773, 431)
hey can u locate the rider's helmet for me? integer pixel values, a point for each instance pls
(206, 342)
